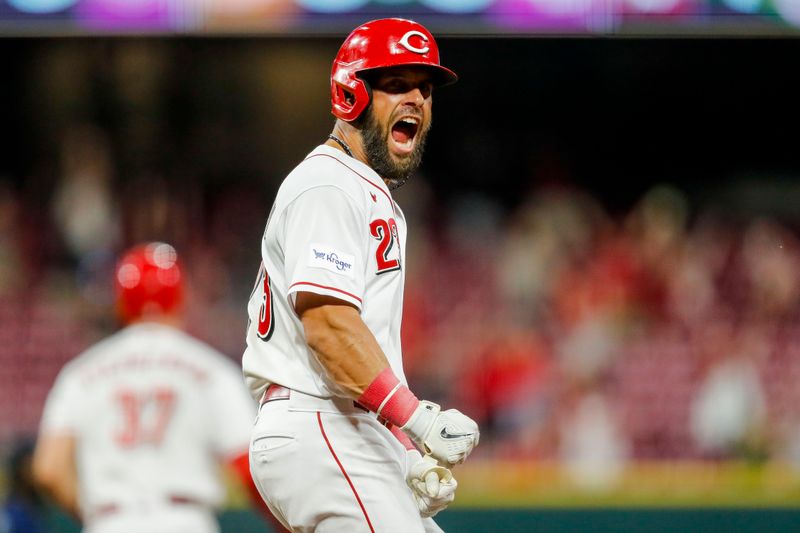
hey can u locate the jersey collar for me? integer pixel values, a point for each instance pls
(360, 168)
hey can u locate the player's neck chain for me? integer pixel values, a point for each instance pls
(341, 143)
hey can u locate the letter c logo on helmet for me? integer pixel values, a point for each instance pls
(404, 42)
(379, 44)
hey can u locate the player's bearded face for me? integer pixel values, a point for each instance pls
(376, 136)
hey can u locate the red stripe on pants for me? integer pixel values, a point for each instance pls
(352, 487)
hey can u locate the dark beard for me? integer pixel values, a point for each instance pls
(376, 148)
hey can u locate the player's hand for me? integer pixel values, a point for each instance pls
(449, 436)
(432, 486)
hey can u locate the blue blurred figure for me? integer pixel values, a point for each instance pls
(23, 509)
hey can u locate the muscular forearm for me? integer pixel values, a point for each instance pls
(353, 359)
(345, 346)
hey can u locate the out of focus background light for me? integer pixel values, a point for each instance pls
(41, 6)
(242, 7)
(252, 15)
(744, 6)
(394, 2)
(654, 6)
(129, 13)
(457, 6)
(482, 17)
(789, 10)
(335, 6)
(564, 7)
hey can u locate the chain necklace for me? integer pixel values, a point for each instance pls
(341, 143)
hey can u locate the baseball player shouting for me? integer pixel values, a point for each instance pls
(135, 428)
(336, 444)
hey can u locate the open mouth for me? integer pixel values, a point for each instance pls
(404, 131)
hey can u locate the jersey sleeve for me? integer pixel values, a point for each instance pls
(62, 407)
(234, 411)
(325, 245)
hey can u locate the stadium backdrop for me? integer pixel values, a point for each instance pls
(651, 497)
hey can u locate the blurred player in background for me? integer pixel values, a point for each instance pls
(136, 428)
(323, 344)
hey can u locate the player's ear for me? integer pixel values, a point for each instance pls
(349, 97)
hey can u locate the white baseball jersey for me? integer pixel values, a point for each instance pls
(334, 230)
(153, 411)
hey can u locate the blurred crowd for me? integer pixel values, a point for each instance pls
(662, 332)
(666, 331)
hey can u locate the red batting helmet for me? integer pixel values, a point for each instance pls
(378, 44)
(148, 280)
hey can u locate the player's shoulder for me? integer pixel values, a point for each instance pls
(151, 340)
(197, 352)
(94, 354)
(178, 342)
(328, 167)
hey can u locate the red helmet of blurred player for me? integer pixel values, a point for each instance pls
(149, 282)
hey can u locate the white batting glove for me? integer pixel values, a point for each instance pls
(432, 486)
(449, 436)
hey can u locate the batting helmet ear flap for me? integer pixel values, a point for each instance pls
(350, 96)
(368, 87)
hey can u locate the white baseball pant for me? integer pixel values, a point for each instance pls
(328, 466)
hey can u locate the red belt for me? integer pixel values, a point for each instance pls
(174, 499)
(276, 392)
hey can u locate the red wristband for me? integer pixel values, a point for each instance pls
(389, 398)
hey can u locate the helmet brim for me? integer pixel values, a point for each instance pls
(443, 76)
(440, 76)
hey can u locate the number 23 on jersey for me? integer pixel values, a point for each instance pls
(385, 231)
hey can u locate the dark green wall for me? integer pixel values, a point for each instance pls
(623, 521)
(570, 521)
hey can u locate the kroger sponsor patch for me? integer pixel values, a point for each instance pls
(338, 262)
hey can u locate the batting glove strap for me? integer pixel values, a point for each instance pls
(421, 422)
